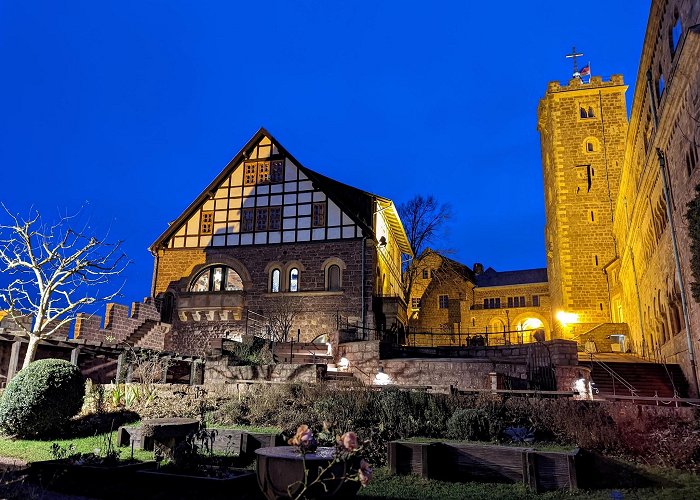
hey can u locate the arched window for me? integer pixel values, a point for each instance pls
(590, 112)
(217, 279)
(584, 113)
(333, 279)
(275, 280)
(294, 279)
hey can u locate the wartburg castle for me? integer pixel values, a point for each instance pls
(271, 238)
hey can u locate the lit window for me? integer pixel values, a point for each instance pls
(294, 280)
(263, 172)
(334, 277)
(536, 301)
(443, 301)
(217, 279)
(249, 173)
(207, 224)
(319, 215)
(275, 281)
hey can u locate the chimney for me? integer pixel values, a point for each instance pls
(478, 268)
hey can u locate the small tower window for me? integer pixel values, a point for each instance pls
(294, 279)
(590, 112)
(275, 281)
(334, 278)
(589, 147)
(584, 113)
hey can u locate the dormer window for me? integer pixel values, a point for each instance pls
(217, 279)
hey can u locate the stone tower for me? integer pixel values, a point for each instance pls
(583, 127)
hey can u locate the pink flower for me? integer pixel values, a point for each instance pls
(304, 439)
(348, 441)
(365, 473)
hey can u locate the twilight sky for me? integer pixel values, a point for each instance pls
(131, 108)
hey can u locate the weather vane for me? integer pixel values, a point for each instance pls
(585, 71)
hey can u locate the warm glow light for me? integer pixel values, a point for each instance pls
(565, 318)
(381, 378)
(531, 324)
(343, 363)
(330, 348)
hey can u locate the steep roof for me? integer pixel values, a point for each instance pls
(491, 277)
(448, 264)
(355, 202)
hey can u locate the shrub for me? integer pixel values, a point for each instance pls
(42, 398)
(470, 423)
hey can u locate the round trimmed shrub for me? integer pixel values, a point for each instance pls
(41, 398)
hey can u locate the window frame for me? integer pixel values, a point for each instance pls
(339, 286)
(209, 271)
(294, 281)
(443, 301)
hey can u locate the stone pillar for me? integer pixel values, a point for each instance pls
(74, 355)
(120, 366)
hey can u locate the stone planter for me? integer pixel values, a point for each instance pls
(280, 472)
(225, 484)
(90, 480)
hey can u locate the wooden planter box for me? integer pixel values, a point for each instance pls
(89, 480)
(156, 483)
(541, 471)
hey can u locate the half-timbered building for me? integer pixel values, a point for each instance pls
(272, 242)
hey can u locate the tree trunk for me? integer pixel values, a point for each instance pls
(31, 350)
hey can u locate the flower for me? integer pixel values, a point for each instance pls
(304, 439)
(365, 473)
(348, 441)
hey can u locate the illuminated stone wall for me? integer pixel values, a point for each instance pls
(583, 129)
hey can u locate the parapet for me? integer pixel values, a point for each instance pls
(577, 84)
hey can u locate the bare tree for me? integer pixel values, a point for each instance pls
(423, 219)
(53, 271)
(281, 313)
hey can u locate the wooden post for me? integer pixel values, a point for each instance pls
(121, 359)
(74, 354)
(164, 377)
(14, 360)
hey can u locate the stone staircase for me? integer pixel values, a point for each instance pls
(648, 379)
(342, 378)
(151, 335)
(301, 353)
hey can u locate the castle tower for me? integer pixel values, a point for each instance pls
(583, 127)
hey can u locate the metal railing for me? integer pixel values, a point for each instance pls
(615, 377)
(486, 338)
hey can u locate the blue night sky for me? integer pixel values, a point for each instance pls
(132, 108)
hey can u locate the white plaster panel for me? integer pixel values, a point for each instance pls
(208, 205)
(276, 188)
(275, 200)
(237, 175)
(334, 233)
(288, 236)
(289, 223)
(248, 202)
(290, 171)
(346, 219)
(319, 234)
(290, 210)
(302, 176)
(234, 203)
(275, 151)
(234, 227)
(304, 222)
(221, 193)
(234, 215)
(305, 209)
(333, 214)
(275, 237)
(193, 224)
(179, 242)
(220, 216)
(248, 191)
(221, 204)
(220, 228)
(236, 191)
(304, 235)
(358, 231)
(265, 189)
(233, 239)
(219, 241)
(247, 239)
(290, 186)
(260, 238)
(290, 199)
(265, 140)
(304, 197)
(205, 241)
(349, 232)
(181, 231)
(305, 186)
(319, 196)
(262, 201)
(191, 242)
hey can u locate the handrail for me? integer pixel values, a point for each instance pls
(615, 376)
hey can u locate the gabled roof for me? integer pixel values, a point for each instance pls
(356, 203)
(448, 264)
(491, 277)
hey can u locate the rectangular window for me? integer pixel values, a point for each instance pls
(444, 301)
(425, 274)
(249, 173)
(415, 302)
(318, 216)
(207, 223)
(498, 303)
(510, 301)
(486, 303)
(247, 220)
(261, 219)
(277, 171)
(275, 219)
(536, 301)
(263, 172)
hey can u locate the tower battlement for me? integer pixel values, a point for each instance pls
(596, 82)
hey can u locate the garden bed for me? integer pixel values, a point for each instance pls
(453, 461)
(210, 483)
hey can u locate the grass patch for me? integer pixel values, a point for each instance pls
(33, 450)
(666, 484)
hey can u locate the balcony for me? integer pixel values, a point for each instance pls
(212, 306)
